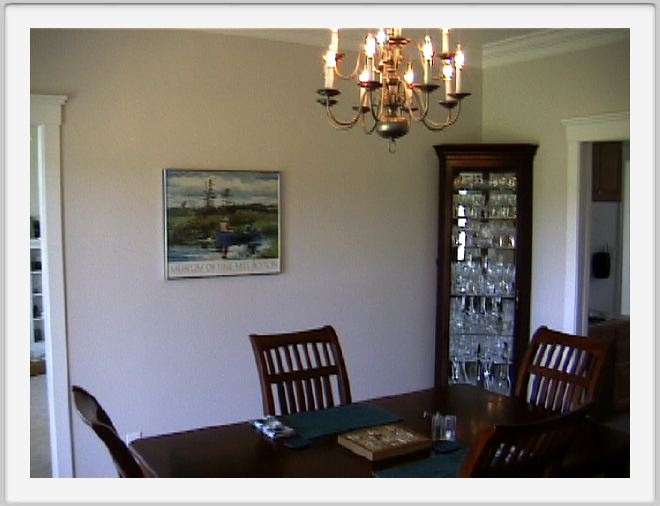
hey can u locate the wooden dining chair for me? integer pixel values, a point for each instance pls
(95, 416)
(303, 370)
(532, 450)
(562, 372)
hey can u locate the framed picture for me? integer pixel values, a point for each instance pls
(221, 222)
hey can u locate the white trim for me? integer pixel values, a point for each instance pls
(546, 43)
(46, 113)
(605, 127)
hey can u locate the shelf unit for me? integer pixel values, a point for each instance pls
(37, 344)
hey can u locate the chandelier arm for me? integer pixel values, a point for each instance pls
(423, 100)
(372, 108)
(421, 107)
(365, 104)
(367, 130)
(431, 125)
(342, 125)
(355, 71)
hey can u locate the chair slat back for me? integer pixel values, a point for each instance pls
(95, 416)
(523, 451)
(561, 372)
(301, 371)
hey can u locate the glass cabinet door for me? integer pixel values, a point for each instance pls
(483, 292)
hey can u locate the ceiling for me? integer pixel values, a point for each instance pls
(469, 37)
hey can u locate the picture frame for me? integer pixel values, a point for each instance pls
(221, 222)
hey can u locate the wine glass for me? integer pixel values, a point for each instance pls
(502, 365)
(471, 360)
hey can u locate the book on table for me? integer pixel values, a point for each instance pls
(384, 441)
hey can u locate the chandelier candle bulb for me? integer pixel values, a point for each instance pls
(427, 55)
(445, 40)
(334, 40)
(370, 46)
(447, 75)
(459, 61)
(381, 37)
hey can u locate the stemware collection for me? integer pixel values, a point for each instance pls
(483, 280)
(481, 360)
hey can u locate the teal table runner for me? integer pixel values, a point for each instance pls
(325, 422)
(445, 465)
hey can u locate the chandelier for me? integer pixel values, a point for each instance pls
(390, 99)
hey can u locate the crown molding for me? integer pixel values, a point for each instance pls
(547, 43)
(46, 109)
(602, 127)
(615, 117)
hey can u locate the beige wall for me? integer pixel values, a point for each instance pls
(359, 225)
(526, 102)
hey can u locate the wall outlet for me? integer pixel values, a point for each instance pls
(132, 436)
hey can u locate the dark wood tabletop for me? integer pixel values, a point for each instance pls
(239, 450)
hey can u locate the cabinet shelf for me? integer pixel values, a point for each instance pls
(482, 220)
(496, 248)
(479, 334)
(490, 295)
(485, 187)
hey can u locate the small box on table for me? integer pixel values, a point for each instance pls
(384, 441)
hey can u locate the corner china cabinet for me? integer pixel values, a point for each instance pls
(484, 263)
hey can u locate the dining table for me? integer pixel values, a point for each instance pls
(239, 450)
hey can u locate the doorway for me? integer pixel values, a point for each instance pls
(40, 455)
(608, 217)
(48, 266)
(606, 168)
(580, 133)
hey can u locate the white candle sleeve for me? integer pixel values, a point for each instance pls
(329, 77)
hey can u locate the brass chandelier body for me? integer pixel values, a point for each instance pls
(389, 99)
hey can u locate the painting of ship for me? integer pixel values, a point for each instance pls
(249, 235)
(219, 221)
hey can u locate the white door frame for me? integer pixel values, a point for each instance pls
(605, 127)
(46, 115)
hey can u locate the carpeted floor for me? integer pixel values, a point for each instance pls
(39, 436)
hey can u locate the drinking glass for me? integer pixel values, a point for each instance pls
(471, 360)
(448, 430)
(508, 311)
(489, 353)
(455, 360)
